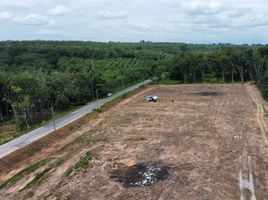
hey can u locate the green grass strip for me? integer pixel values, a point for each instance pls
(22, 174)
(38, 178)
(81, 164)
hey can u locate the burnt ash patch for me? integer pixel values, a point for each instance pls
(141, 175)
(209, 93)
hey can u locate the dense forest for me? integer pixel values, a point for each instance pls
(36, 75)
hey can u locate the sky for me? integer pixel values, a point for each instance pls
(190, 21)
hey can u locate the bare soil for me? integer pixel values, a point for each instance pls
(211, 141)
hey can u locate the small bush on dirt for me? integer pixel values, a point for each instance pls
(169, 82)
(210, 78)
(21, 123)
(38, 177)
(81, 164)
(72, 128)
(97, 110)
(30, 194)
(264, 92)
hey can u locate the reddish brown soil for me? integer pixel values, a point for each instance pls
(213, 145)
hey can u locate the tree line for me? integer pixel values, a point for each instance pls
(36, 75)
(227, 64)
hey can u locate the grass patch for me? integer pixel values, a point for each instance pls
(84, 162)
(73, 128)
(169, 82)
(30, 194)
(264, 92)
(38, 178)
(76, 125)
(205, 80)
(11, 131)
(80, 165)
(22, 174)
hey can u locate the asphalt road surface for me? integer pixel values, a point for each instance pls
(33, 136)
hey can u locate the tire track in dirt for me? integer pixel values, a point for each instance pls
(167, 189)
(212, 167)
(246, 164)
(219, 112)
(166, 192)
(246, 185)
(58, 174)
(260, 112)
(210, 143)
(245, 148)
(246, 173)
(219, 122)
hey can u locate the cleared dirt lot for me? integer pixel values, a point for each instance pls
(210, 139)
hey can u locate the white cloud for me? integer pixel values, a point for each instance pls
(139, 26)
(234, 13)
(112, 15)
(198, 7)
(5, 15)
(49, 32)
(17, 3)
(58, 10)
(22, 3)
(209, 16)
(33, 19)
(156, 20)
(255, 21)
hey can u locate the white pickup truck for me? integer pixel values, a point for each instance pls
(152, 98)
(109, 94)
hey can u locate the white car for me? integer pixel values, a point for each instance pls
(152, 98)
(109, 94)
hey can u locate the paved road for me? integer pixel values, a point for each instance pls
(32, 136)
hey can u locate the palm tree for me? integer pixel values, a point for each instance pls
(91, 74)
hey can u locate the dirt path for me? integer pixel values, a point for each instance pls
(246, 166)
(210, 139)
(252, 90)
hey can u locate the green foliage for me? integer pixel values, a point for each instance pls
(22, 174)
(80, 165)
(21, 124)
(169, 82)
(84, 162)
(39, 177)
(30, 194)
(264, 92)
(35, 75)
(210, 78)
